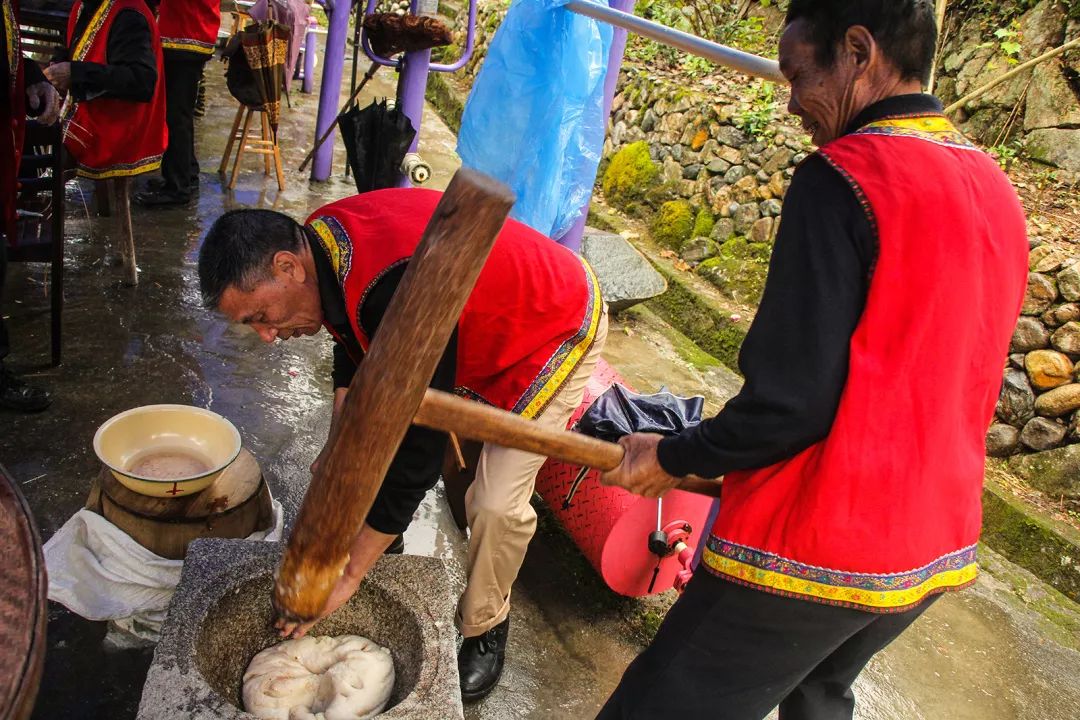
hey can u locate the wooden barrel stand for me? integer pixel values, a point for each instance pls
(236, 505)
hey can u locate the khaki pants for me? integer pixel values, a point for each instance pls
(501, 520)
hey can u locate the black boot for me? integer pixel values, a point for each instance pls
(17, 395)
(480, 661)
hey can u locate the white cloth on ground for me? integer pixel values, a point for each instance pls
(99, 572)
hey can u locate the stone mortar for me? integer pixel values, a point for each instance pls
(220, 617)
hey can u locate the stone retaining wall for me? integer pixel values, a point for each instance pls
(1039, 407)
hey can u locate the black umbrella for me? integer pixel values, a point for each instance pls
(376, 141)
(619, 412)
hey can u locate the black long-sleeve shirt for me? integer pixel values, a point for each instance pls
(418, 463)
(131, 72)
(795, 356)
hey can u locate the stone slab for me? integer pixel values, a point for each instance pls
(626, 276)
(220, 618)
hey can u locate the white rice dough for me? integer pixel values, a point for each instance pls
(319, 678)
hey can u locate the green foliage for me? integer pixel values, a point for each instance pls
(1008, 41)
(703, 223)
(630, 175)
(695, 66)
(674, 224)
(1007, 153)
(757, 120)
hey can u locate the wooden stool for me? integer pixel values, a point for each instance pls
(236, 505)
(267, 146)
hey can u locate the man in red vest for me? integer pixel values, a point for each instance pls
(114, 115)
(852, 459)
(527, 342)
(189, 30)
(27, 91)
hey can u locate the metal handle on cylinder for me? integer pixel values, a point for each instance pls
(415, 168)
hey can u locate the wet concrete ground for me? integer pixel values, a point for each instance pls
(1006, 649)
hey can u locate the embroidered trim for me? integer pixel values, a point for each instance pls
(123, 170)
(86, 41)
(337, 244)
(11, 33)
(892, 592)
(189, 44)
(932, 128)
(566, 358)
(867, 209)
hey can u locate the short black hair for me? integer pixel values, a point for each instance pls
(906, 30)
(238, 250)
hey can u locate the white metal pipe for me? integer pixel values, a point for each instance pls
(713, 52)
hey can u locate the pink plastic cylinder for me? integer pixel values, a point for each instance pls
(611, 526)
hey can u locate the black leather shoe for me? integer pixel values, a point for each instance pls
(17, 395)
(397, 547)
(480, 661)
(162, 198)
(157, 184)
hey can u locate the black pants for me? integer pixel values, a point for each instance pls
(727, 652)
(179, 167)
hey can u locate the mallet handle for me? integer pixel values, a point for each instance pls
(468, 419)
(475, 421)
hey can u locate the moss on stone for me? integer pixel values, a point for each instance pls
(703, 223)
(445, 100)
(674, 224)
(690, 313)
(630, 175)
(739, 270)
(1025, 539)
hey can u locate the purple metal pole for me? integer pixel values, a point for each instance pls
(310, 46)
(330, 92)
(412, 84)
(572, 238)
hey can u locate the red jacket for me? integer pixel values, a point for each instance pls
(887, 508)
(530, 320)
(190, 25)
(107, 137)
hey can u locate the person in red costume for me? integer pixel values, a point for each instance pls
(26, 92)
(527, 342)
(189, 30)
(852, 482)
(114, 114)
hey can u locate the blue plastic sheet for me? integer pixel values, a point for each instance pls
(535, 118)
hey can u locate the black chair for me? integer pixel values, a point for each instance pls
(39, 227)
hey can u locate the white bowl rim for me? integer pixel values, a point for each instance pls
(167, 406)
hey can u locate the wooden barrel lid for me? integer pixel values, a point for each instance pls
(236, 505)
(235, 486)
(23, 588)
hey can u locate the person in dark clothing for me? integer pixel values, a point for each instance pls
(851, 487)
(28, 92)
(188, 36)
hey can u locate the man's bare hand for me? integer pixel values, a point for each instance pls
(640, 471)
(59, 74)
(42, 98)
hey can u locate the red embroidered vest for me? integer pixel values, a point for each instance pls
(108, 137)
(12, 120)
(190, 25)
(887, 508)
(530, 320)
